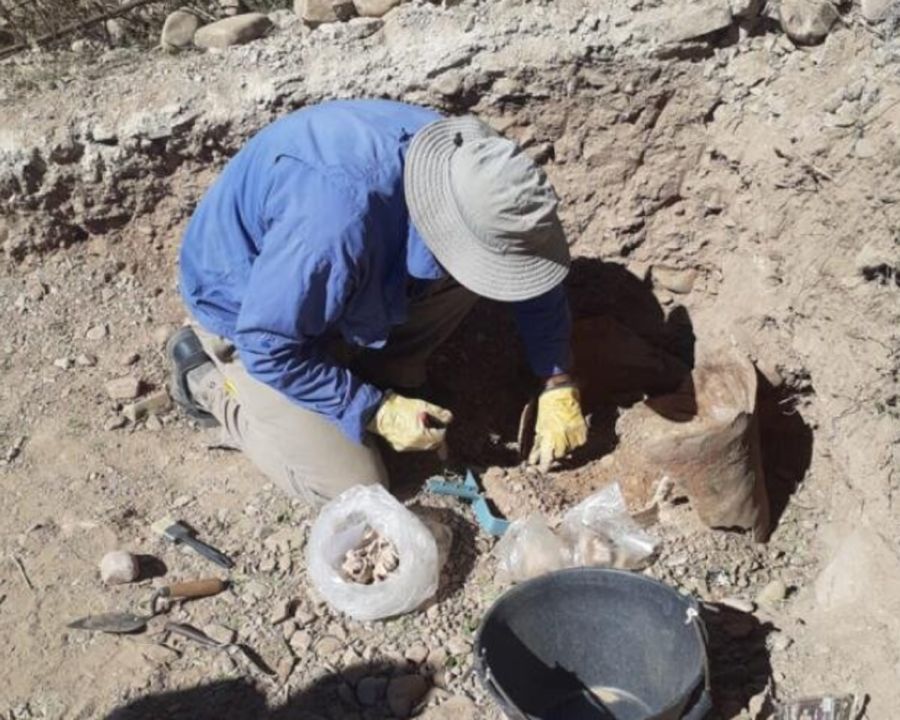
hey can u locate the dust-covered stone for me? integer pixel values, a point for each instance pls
(404, 693)
(807, 22)
(235, 30)
(124, 388)
(179, 30)
(374, 8)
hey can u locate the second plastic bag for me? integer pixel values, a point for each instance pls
(340, 528)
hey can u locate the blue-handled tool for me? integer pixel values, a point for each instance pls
(469, 490)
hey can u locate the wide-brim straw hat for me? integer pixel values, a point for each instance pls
(485, 210)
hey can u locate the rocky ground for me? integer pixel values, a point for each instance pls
(723, 186)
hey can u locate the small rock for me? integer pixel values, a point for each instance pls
(282, 612)
(125, 388)
(807, 22)
(235, 30)
(404, 693)
(744, 606)
(303, 617)
(35, 289)
(154, 404)
(780, 642)
(682, 22)
(86, 360)
(417, 653)
(117, 422)
(374, 8)
(220, 633)
(370, 690)
(63, 363)
(459, 646)
(281, 541)
(876, 10)
(231, 7)
(129, 358)
(255, 590)
(153, 424)
(157, 654)
(285, 667)
(119, 567)
(98, 332)
(104, 135)
(673, 279)
(457, 707)
(329, 647)
(449, 84)
(772, 594)
(317, 12)
(746, 8)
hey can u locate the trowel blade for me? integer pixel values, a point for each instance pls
(110, 623)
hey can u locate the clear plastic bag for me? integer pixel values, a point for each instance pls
(529, 549)
(340, 528)
(600, 531)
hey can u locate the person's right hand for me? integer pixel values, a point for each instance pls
(410, 424)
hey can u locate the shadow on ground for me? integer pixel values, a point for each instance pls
(241, 699)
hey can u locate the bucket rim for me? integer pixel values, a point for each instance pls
(692, 608)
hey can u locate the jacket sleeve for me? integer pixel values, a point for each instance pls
(299, 285)
(545, 325)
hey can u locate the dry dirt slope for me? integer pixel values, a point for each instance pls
(769, 170)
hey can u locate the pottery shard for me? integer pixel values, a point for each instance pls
(807, 22)
(233, 31)
(374, 8)
(178, 30)
(317, 12)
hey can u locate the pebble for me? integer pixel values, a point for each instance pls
(300, 642)
(876, 10)
(417, 653)
(772, 594)
(153, 424)
(116, 422)
(807, 22)
(119, 567)
(235, 30)
(374, 8)
(179, 29)
(459, 646)
(282, 612)
(124, 388)
(129, 358)
(220, 633)
(303, 617)
(86, 360)
(98, 332)
(744, 606)
(457, 707)
(62, 363)
(673, 279)
(404, 693)
(329, 647)
(285, 667)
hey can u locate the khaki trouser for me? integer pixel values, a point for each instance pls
(301, 451)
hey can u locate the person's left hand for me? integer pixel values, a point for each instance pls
(560, 426)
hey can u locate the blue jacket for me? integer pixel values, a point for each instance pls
(306, 234)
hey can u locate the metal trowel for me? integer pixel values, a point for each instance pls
(126, 622)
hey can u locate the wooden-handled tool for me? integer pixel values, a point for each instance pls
(193, 589)
(124, 622)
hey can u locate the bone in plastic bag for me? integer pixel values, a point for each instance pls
(528, 549)
(340, 528)
(600, 531)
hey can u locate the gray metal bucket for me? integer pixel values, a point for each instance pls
(594, 644)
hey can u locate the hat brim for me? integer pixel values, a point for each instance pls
(429, 195)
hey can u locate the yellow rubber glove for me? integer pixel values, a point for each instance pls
(404, 423)
(560, 426)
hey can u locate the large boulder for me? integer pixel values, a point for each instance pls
(233, 31)
(179, 29)
(374, 8)
(807, 22)
(317, 12)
